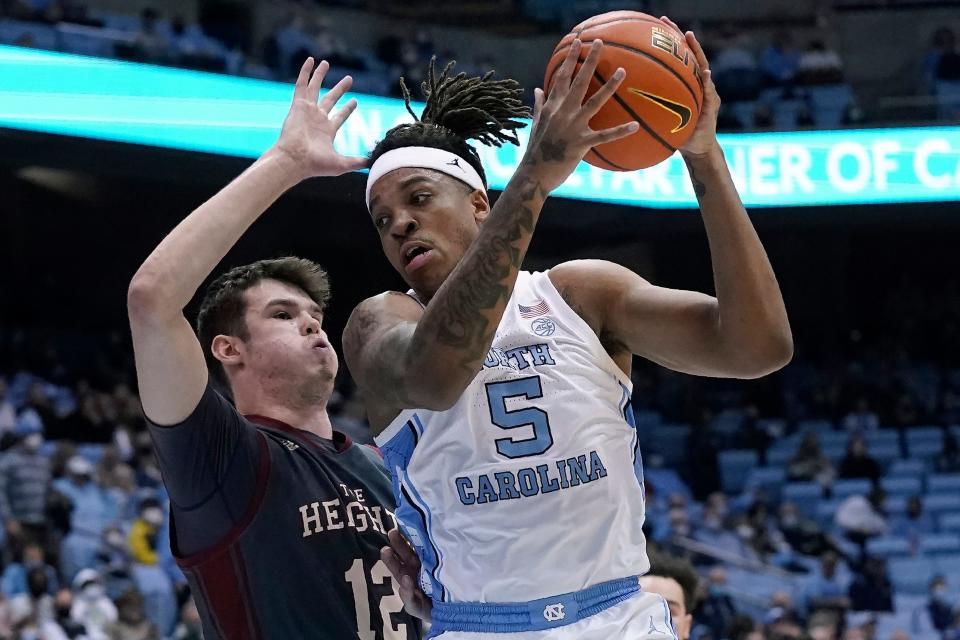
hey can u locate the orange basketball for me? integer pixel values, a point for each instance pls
(662, 91)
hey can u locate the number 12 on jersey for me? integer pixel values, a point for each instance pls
(357, 579)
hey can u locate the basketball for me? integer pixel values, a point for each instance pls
(662, 90)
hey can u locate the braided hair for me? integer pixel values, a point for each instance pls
(459, 109)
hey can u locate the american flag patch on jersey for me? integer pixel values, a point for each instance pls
(537, 309)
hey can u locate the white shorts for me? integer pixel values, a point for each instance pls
(644, 615)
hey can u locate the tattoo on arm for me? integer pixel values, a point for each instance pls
(698, 187)
(553, 151)
(361, 328)
(481, 280)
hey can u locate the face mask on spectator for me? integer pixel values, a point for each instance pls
(92, 591)
(153, 516)
(33, 442)
(116, 539)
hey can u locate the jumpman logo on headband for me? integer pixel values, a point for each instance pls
(455, 163)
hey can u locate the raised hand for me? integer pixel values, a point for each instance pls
(561, 133)
(311, 126)
(404, 566)
(704, 137)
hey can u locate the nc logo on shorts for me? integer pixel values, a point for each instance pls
(543, 327)
(554, 612)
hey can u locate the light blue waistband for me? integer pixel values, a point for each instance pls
(536, 615)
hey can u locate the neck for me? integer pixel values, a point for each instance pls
(308, 413)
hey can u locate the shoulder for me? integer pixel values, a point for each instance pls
(591, 286)
(379, 310)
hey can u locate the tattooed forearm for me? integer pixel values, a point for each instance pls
(698, 187)
(467, 309)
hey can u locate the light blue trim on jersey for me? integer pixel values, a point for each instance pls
(412, 511)
(627, 409)
(535, 615)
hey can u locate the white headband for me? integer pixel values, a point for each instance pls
(423, 158)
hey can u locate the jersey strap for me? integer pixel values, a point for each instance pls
(536, 615)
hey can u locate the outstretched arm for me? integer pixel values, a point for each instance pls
(743, 332)
(409, 358)
(171, 369)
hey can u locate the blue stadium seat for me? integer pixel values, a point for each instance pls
(911, 575)
(943, 483)
(940, 503)
(806, 495)
(885, 453)
(670, 441)
(948, 564)
(44, 36)
(846, 488)
(925, 449)
(882, 437)
(735, 466)
(780, 456)
(948, 98)
(908, 468)
(817, 426)
(886, 547)
(917, 434)
(826, 510)
(940, 543)
(895, 505)
(770, 478)
(902, 486)
(950, 522)
(834, 451)
(829, 103)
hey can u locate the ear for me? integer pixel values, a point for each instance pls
(229, 350)
(481, 205)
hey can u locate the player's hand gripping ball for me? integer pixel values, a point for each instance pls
(662, 90)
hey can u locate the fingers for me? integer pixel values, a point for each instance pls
(580, 83)
(313, 89)
(393, 563)
(698, 53)
(537, 104)
(614, 133)
(354, 163)
(402, 548)
(597, 100)
(300, 88)
(330, 98)
(670, 23)
(561, 82)
(338, 118)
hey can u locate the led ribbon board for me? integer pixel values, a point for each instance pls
(150, 105)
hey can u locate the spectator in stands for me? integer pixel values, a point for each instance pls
(8, 415)
(189, 627)
(38, 413)
(804, 535)
(14, 580)
(827, 589)
(113, 562)
(34, 610)
(872, 589)
(782, 619)
(940, 61)
(819, 65)
(93, 509)
(132, 622)
(91, 607)
(858, 463)
(779, 62)
(676, 581)
(24, 480)
(150, 44)
(906, 413)
(717, 610)
(809, 464)
(144, 531)
(862, 418)
(861, 517)
(949, 459)
(63, 604)
(915, 523)
(939, 606)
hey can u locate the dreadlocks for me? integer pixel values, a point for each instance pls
(458, 109)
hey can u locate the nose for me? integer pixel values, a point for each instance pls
(310, 325)
(403, 225)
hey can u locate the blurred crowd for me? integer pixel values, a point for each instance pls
(766, 81)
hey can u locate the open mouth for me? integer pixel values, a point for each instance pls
(416, 255)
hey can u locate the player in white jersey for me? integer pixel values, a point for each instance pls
(501, 398)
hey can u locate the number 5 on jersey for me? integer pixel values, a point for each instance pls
(528, 388)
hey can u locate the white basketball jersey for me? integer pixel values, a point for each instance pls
(531, 485)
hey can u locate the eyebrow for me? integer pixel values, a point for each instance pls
(289, 302)
(406, 182)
